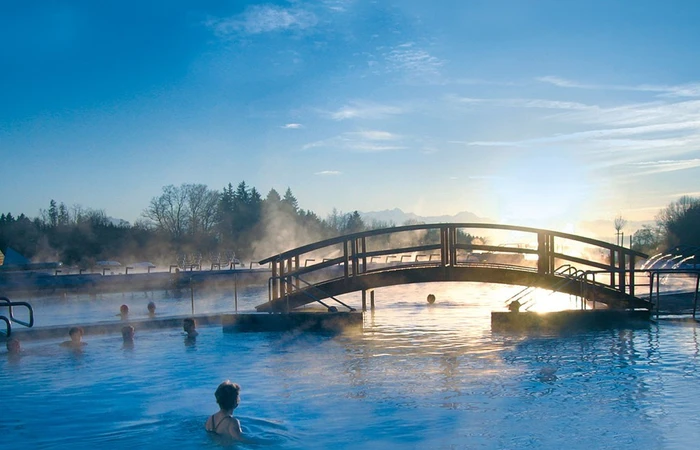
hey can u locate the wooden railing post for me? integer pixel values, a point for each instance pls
(283, 284)
(275, 280)
(632, 268)
(622, 260)
(364, 252)
(542, 255)
(550, 250)
(353, 245)
(346, 260)
(296, 267)
(612, 268)
(443, 246)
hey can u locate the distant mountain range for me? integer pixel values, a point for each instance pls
(398, 217)
(600, 229)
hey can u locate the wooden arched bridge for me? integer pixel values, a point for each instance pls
(594, 270)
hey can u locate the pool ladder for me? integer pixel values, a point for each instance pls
(6, 302)
(526, 297)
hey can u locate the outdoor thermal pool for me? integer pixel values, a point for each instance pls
(418, 376)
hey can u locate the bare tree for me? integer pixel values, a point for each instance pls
(620, 223)
(167, 210)
(186, 209)
(201, 208)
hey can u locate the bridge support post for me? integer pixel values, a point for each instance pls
(364, 300)
(371, 300)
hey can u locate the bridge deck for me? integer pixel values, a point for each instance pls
(464, 273)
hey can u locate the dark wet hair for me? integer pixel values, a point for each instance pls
(189, 322)
(74, 330)
(227, 395)
(128, 332)
(151, 306)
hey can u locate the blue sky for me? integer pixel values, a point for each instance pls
(527, 112)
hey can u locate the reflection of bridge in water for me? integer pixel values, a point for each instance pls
(594, 270)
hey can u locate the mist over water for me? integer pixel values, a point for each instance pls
(418, 376)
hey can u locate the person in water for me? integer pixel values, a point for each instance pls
(190, 327)
(124, 312)
(13, 346)
(151, 309)
(514, 306)
(76, 338)
(223, 423)
(128, 336)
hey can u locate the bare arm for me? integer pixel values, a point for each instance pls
(234, 429)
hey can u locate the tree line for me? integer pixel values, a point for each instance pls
(189, 221)
(676, 229)
(196, 223)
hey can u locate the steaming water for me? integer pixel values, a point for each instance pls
(419, 376)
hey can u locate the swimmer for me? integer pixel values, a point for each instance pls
(514, 306)
(189, 326)
(128, 335)
(76, 338)
(123, 312)
(151, 309)
(13, 346)
(223, 423)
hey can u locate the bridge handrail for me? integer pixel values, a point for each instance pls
(490, 226)
(8, 327)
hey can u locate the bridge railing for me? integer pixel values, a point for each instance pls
(448, 244)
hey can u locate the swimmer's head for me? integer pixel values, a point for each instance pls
(128, 333)
(228, 395)
(76, 333)
(151, 307)
(189, 325)
(124, 309)
(13, 345)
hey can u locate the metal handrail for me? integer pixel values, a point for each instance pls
(564, 270)
(12, 318)
(8, 330)
(305, 291)
(310, 285)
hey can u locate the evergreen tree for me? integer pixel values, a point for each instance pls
(53, 214)
(290, 201)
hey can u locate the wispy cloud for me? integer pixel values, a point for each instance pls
(292, 126)
(338, 5)
(653, 167)
(365, 141)
(410, 62)
(681, 90)
(631, 136)
(328, 173)
(364, 110)
(523, 103)
(259, 19)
